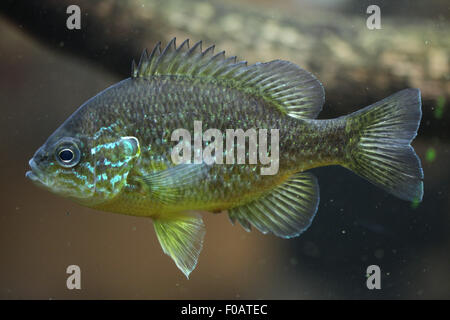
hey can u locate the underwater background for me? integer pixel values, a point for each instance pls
(47, 71)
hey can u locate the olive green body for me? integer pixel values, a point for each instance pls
(151, 109)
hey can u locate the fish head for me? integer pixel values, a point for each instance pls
(63, 166)
(88, 168)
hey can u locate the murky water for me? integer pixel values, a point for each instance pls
(357, 225)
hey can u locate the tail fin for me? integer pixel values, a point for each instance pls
(380, 137)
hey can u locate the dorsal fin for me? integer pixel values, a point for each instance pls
(292, 90)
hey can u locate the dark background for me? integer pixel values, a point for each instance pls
(47, 71)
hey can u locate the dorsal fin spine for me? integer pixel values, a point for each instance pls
(205, 69)
(143, 62)
(192, 55)
(177, 62)
(195, 70)
(134, 70)
(196, 48)
(165, 58)
(156, 52)
(225, 64)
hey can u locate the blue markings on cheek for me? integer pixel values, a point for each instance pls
(117, 178)
(110, 145)
(102, 177)
(118, 164)
(114, 180)
(108, 163)
(89, 167)
(73, 183)
(84, 179)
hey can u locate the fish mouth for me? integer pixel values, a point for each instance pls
(34, 174)
(30, 175)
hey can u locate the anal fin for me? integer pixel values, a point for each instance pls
(181, 238)
(286, 211)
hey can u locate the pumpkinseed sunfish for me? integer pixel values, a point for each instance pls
(115, 153)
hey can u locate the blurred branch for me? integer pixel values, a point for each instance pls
(356, 65)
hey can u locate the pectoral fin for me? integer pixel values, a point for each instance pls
(181, 238)
(167, 185)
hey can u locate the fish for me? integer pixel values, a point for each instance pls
(115, 152)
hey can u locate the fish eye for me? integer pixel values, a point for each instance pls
(67, 154)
